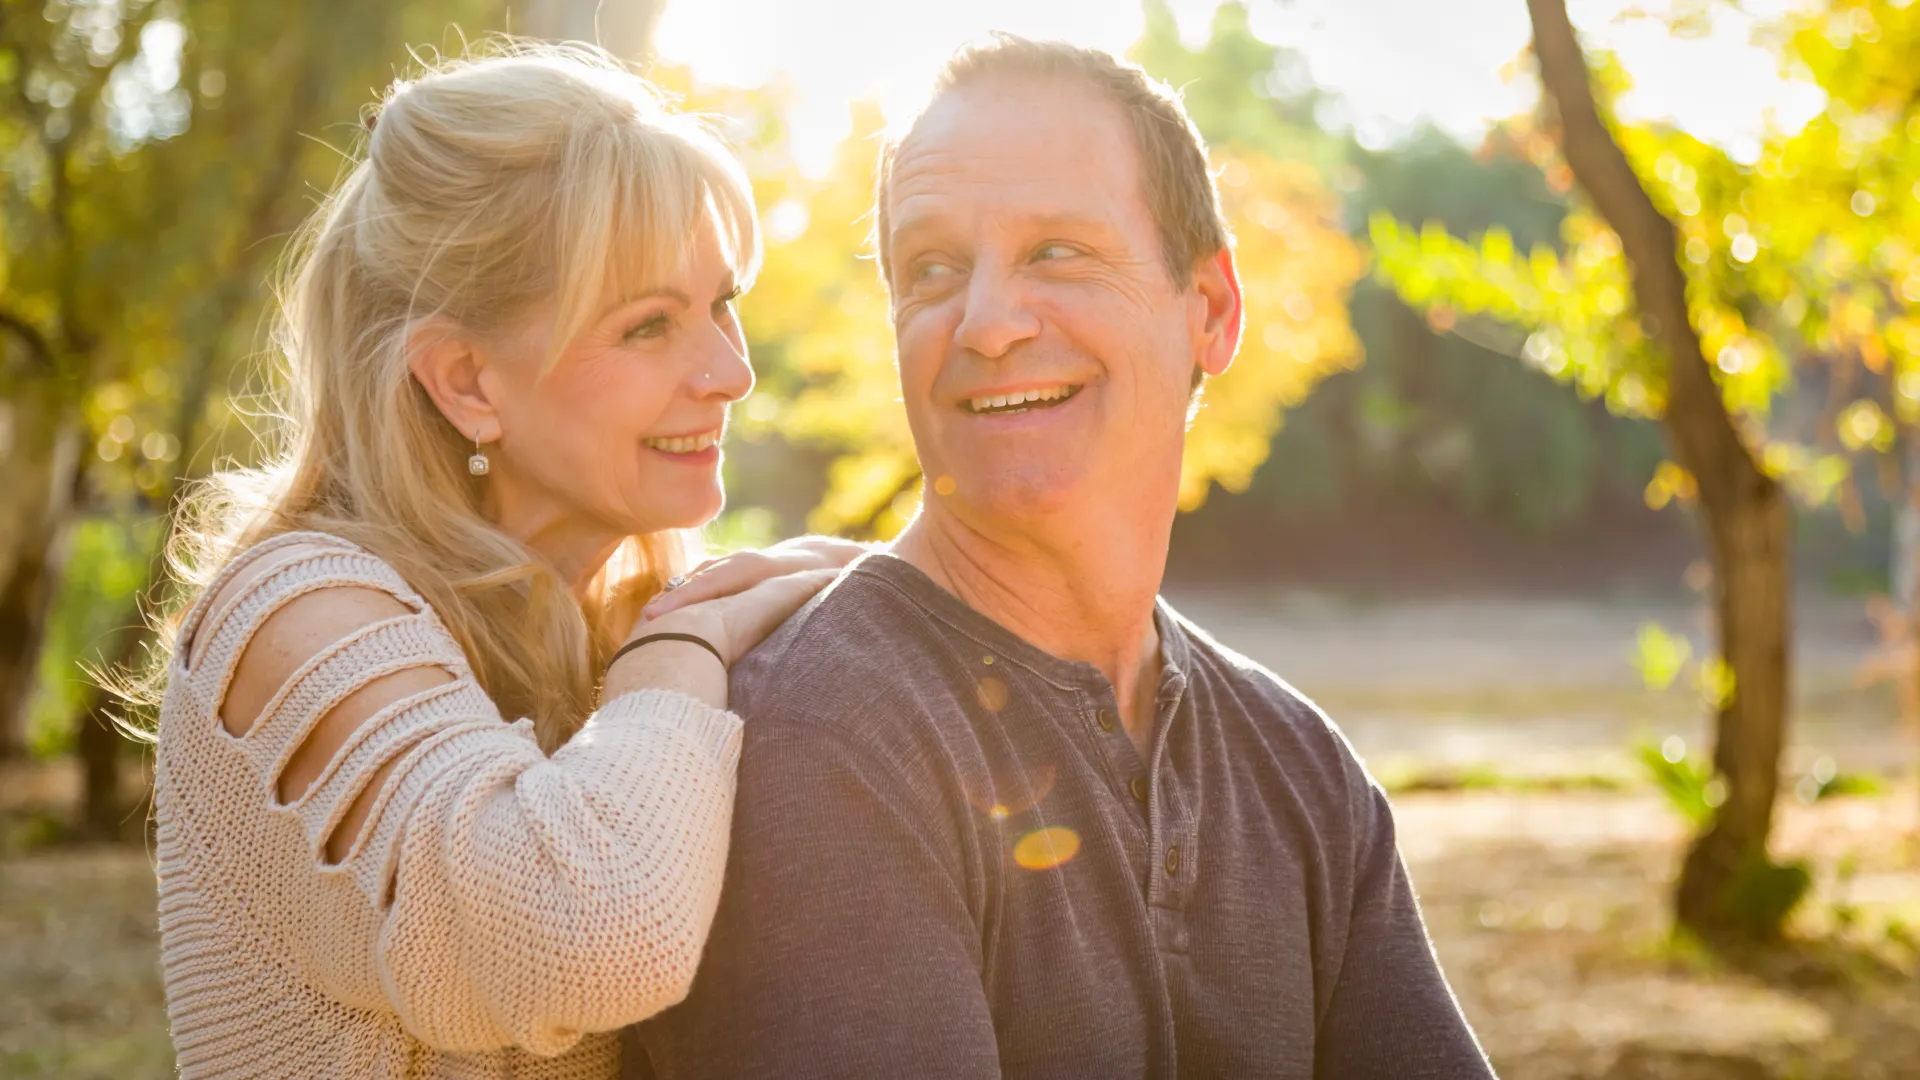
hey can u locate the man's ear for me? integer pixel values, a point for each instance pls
(1217, 283)
(446, 365)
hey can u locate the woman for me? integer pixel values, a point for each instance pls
(420, 812)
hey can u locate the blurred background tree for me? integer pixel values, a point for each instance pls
(1692, 287)
(158, 152)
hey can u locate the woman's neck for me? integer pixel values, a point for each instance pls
(575, 546)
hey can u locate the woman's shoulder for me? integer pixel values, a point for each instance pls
(291, 577)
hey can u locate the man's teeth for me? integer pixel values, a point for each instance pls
(687, 444)
(1019, 400)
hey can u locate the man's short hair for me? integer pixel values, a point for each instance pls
(1174, 176)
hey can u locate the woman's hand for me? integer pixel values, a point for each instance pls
(743, 570)
(732, 603)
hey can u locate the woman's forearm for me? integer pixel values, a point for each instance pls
(669, 665)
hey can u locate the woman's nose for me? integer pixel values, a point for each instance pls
(725, 372)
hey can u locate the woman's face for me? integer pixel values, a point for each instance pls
(621, 434)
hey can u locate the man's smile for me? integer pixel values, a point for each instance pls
(1019, 401)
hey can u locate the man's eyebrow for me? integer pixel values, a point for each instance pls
(1069, 219)
(909, 228)
(1062, 220)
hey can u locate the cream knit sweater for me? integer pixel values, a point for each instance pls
(501, 913)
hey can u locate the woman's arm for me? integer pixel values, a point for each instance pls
(517, 899)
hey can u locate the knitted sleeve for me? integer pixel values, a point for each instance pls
(495, 897)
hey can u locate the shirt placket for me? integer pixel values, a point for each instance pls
(1173, 841)
(1153, 796)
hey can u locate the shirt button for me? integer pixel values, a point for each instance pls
(1139, 788)
(1105, 720)
(1173, 860)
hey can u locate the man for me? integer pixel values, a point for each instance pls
(1001, 812)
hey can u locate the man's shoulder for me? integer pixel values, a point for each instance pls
(860, 640)
(1268, 702)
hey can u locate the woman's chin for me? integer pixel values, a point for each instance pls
(681, 510)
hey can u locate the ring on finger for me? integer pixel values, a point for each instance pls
(674, 582)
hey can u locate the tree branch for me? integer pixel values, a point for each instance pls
(1705, 439)
(30, 336)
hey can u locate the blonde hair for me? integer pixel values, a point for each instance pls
(486, 185)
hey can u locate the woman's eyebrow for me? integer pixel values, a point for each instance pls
(728, 286)
(667, 291)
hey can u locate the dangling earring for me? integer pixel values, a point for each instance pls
(477, 465)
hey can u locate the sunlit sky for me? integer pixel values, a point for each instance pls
(1392, 62)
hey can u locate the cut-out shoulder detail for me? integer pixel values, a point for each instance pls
(246, 572)
(327, 737)
(356, 851)
(291, 638)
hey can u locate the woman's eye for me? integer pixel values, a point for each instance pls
(650, 328)
(724, 305)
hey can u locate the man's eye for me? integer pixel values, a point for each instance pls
(931, 272)
(1054, 251)
(650, 328)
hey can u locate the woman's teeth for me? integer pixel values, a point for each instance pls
(1018, 402)
(686, 444)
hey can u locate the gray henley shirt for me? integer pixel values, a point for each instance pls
(950, 861)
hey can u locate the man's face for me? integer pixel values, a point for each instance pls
(1045, 354)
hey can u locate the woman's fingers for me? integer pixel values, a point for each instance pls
(831, 550)
(757, 612)
(743, 570)
(737, 622)
(722, 577)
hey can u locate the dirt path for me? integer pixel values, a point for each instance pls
(1549, 915)
(1541, 686)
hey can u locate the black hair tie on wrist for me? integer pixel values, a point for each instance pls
(692, 639)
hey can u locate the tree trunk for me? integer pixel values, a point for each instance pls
(1904, 578)
(103, 810)
(1751, 604)
(1746, 517)
(40, 460)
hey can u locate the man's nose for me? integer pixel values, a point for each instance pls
(997, 316)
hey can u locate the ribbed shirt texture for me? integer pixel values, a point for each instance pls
(951, 863)
(500, 912)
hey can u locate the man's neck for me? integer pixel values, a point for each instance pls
(1088, 596)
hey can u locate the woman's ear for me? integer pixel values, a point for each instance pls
(447, 366)
(1217, 283)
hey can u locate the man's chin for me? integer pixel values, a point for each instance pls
(1021, 494)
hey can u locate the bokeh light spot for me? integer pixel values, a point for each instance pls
(1013, 789)
(1044, 849)
(944, 486)
(992, 694)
